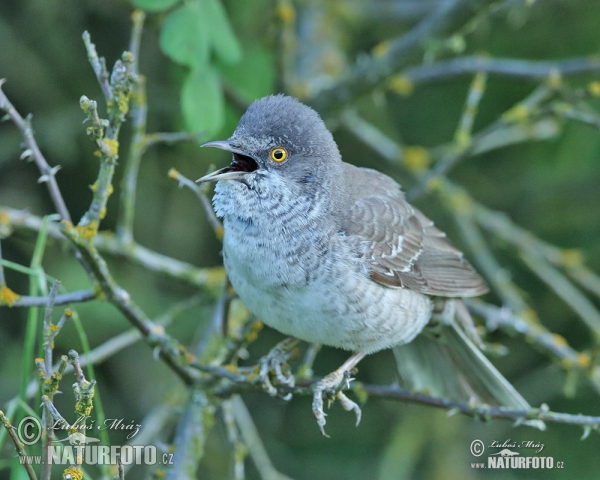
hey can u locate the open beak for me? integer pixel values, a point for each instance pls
(241, 165)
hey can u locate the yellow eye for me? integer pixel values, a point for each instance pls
(278, 154)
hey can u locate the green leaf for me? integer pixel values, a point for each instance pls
(222, 38)
(261, 63)
(155, 5)
(184, 35)
(202, 101)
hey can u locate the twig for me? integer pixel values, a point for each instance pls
(79, 296)
(465, 145)
(99, 66)
(18, 446)
(570, 260)
(138, 115)
(170, 138)
(399, 394)
(137, 17)
(253, 442)
(200, 193)
(552, 344)
(480, 411)
(33, 151)
(239, 449)
(190, 438)
(170, 350)
(48, 334)
(372, 70)
(513, 67)
(564, 289)
(106, 133)
(210, 278)
(58, 418)
(2, 279)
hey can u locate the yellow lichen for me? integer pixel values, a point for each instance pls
(529, 314)
(255, 328)
(286, 13)
(518, 113)
(68, 312)
(111, 189)
(215, 278)
(554, 78)
(594, 88)
(8, 297)
(102, 213)
(416, 158)
(74, 472)
(4, 218)
(88, 231)
(571, 257)
(113, 146)
(231, 368)
(94, 187)
(435, 183)
(219, 232)
(460, 201)
(401, 84)
(462, 138)
(559, 340)
(173, 174)
(584, 360)
(53, 328)
(381, 49)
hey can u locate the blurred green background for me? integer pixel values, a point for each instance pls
(550, 187)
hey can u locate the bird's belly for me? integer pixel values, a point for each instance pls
(324, 302)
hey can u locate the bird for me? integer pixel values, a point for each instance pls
(330, 253)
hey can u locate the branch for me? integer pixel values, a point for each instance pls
(18, 446)
(511, 67)
(169, 349)
(79, 296)
(33, 151)
(370, 71)
(201, 194)
(481, 411)
(210, 278)
(551, 343)
(242, 382)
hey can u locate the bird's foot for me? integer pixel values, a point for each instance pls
(274, 371)
(331, 388)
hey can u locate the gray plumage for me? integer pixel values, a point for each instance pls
(332, 253)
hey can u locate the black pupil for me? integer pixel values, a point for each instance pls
(278, 154)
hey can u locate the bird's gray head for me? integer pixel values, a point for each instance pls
(281, 149)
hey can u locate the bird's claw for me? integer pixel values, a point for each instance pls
(331, 387)
(274, 372)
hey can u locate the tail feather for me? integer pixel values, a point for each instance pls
(450, 365)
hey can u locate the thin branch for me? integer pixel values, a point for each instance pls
(210, 278)
(480, 411)
(174, 354)
(79, 296)
(201, 194)
(253, 442)
(369, 71)
(18, 446)
(2, 278)
(99, 66)
(170, 138)
(552, 344)
(396, 393)
(33, 151)
(48, 334)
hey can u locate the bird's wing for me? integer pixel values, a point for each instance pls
(401, 245)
